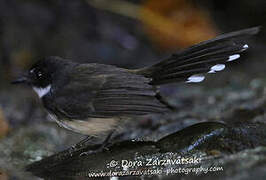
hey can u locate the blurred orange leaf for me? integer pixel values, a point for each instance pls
(171, 24)
(3, 175)
(3, 125)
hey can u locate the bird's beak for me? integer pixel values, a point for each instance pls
(22, 80)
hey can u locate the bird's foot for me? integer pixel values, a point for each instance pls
(98, 150)
(103, 147)
(79, 145)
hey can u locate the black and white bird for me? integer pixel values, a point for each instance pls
(92, 99)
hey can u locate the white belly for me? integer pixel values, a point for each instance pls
(91, 126)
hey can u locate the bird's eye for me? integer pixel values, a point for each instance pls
(39, 74)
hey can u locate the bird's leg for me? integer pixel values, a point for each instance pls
(80, 144)
(164, 101)
(106, 141)
(102, 146)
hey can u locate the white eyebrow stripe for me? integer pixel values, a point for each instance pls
(42, 91)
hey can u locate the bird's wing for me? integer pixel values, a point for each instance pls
(97, 90)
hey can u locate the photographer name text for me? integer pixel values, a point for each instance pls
(153, 162)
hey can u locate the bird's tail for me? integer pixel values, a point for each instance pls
(191, 64)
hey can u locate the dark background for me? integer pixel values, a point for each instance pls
(130, 34)
(86, 31)
(30, 30)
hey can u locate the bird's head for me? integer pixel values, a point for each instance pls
(43, 74)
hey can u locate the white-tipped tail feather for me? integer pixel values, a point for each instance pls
(206, 57)
(245, 46)
(195, 79)
(233, 57)
(216, 68)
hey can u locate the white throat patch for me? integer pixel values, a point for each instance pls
(42, 91)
